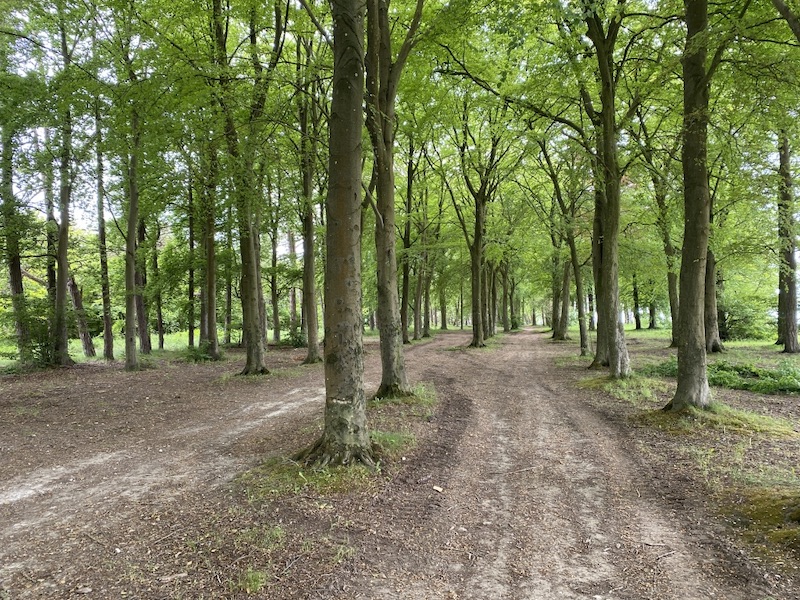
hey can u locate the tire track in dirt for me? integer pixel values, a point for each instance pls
(543, 499)
(54, 501)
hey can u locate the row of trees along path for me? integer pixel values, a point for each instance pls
(192, 112)
(519, 488)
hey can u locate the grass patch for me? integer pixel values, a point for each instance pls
(392, 444)
(782, 379)
(768, 517)
(719, 417)
(250, 581)
(421, 395)
(639, 391)
(279, 477)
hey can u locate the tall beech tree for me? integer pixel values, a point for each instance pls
(242, 143)
(345, 438)
(692, 389)
(787, 271)
(382, 80)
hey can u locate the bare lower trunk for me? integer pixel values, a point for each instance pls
(80, 317)
(108, 334)
(692, 388)
(711, 324)
(636, 306)
(142, 305)
(787, 275)
(12, 234)
(345, 438)
(560, 326)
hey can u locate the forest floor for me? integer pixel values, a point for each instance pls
(527, 480)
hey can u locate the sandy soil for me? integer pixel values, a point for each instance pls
(117, 484)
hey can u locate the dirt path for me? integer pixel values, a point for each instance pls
(519, 491)
(541, 499)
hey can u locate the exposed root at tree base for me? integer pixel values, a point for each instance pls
(392, 391)
(323, 454)
(258, 371)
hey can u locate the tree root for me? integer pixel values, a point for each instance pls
(256, 371)
(392, 391)
(324, 453)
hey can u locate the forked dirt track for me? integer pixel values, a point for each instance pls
(542, 499)
(518, 490)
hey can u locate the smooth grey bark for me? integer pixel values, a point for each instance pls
(59, 329)
(562, 318)
(787, 274)
(191, 302)
(210, 342)
(142, 304)
(108, 334)
(309, 118)
(383, 73)
(345, 438)
(157, 298)
(711, 314)
(692, 389)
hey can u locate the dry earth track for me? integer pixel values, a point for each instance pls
(542, 497)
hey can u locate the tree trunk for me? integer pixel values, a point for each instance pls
(228, 278)
(131, 358)
(637, 317)
(443, 306)
(652, 314)
(108, 333)
(345, 438)
(158, 299)
(80, 317)
(142, 305)
(506, 300)
(562, 319)
(211, 346)
(245, 191)
(59, 332)
(11, 228)
(787, 274)
(556, 285)
(273, 284)
(711, 325)
(293, 320)
(426, 319)
(405, 299)
(418, 303)
(190, 316)
(692, 389)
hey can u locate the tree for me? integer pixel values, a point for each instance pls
(345, 439)
(383, 77)
(787, 272)
(692, 387)
(242, 152)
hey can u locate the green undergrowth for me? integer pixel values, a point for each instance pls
(718, 417)
(782, 379)
(277, 477)
(639, 391)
